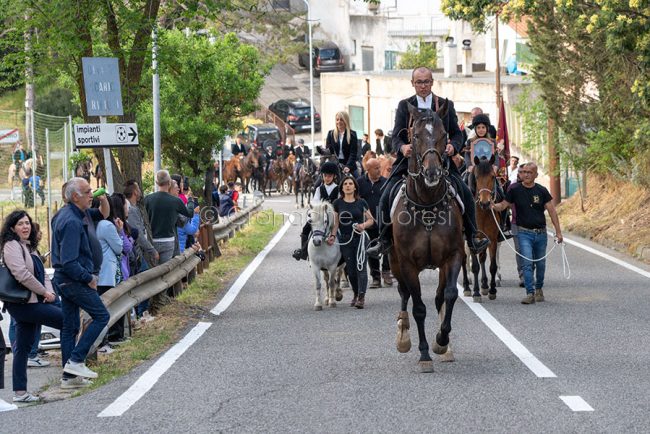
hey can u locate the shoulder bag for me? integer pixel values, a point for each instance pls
(12, 291)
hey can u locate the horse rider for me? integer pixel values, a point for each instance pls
(422, 81)
(469, 132)
(238, 147)
(328, 191)
(269, 155)
(342, 142)
(302, 154)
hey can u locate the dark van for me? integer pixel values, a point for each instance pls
(327, 57)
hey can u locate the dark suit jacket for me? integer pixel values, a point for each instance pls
(365, 148)
(301, 153)
(238, 149)
(350, 150)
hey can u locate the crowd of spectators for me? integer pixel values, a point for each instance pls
(97, 242)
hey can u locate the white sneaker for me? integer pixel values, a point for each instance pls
(37, 363)
(5, 406)
(75, 383)
(146, 317)
(79, 369)
(26, 397)
(106, 349)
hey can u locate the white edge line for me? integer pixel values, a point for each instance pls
(606, 256)
(248, 272)
(528, 359)
(576, 403)
(153, 374)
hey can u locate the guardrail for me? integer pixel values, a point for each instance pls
(142, 286)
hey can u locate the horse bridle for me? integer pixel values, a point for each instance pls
(318, 232)
(419, 159)
(492, 191)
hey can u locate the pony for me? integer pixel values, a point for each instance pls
(304, 182)
(427, 233)
(248, 165)
(485, 192)
(323, 256)
(231, 169)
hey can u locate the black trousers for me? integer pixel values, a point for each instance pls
(3, 354)
(373, 263)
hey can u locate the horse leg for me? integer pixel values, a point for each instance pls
(493, 271)
(318, 305)
(446, 297)
(498, 282)
(410, 283)
(475, 269)
(403, 324)
(466, 291)
(484, 281)
(331, 287)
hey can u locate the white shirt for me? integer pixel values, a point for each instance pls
(316, 200)
(512, 175)
(341, 157)
(425, 103)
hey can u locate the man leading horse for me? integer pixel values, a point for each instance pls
(424, 98)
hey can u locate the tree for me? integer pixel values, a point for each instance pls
(205, 89)
(419, 54)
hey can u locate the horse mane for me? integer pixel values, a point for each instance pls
(484, 167)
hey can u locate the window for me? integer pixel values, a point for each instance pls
(356, 119)
(390, 60)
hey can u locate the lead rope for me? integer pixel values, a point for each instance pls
(361, 248)
(566, 268)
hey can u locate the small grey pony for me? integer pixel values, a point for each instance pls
(324, 257)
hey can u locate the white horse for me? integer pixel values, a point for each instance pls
(324, 257)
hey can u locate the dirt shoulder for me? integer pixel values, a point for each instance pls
(615, 214)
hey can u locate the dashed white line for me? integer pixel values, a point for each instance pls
(528, 359)
(153, 374)
(576, 403)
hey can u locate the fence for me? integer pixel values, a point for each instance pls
(140, 287)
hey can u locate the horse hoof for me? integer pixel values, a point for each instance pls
(339, 295)
(484, 291)
(478, 299)
(426, 366)
(467, 293)
(439, 349)
(499, 283)
(448, 356)
(317, 308)
(403, 338)
(332, 304)
(492, 296)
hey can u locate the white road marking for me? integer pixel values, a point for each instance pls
(606, 256)
(576, 403)
(507, 338)
(248, 272)
(276, 201)
(153, 374)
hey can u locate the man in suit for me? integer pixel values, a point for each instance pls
(422, 81)
(382, 145)
(302, 153)
(238, 147)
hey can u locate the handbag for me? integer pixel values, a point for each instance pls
(12, 291)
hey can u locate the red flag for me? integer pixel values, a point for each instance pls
(502, 132)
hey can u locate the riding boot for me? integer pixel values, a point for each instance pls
(383, 243)
(301, 253)
(475, 244)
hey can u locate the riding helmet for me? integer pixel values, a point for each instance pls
(328, 167)
(481, 119)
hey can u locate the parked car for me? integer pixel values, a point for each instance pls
(296, 113)
(260, 133)
(326, 58)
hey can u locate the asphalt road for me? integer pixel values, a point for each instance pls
(270, 363)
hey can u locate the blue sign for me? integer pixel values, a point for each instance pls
(102, 86)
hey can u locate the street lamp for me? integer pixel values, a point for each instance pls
(311, 73)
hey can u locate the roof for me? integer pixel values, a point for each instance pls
(520, 26)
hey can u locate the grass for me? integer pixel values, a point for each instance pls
(154, 337)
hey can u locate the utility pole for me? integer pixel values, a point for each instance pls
(157, 159)
(29, 87)
(368, 95)
(498, 63)
(311, 73)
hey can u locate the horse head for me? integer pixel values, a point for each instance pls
(485, 182)
(254, 157)
(429, 140)
(322, 220)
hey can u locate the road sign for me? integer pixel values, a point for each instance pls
(9, 136)
(102, 86)
(105, 135)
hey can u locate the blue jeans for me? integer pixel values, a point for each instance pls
(29, 318)
(532, 245)
(74, 296)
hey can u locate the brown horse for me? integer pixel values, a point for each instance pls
(304, 182)
(427, 233)
(277, 175)
(231, 169)
(485, 193)
(248, 165)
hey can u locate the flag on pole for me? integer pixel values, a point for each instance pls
(502, 132)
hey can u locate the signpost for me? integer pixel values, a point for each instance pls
(104, 98)
(9, 136)
(103, 135)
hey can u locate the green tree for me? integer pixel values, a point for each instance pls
(420, 53)
(205, 89)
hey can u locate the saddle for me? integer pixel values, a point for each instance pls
(399, 189)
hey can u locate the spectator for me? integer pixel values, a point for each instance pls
(226, 203)
(186, 228)
(4, 405)
(74, 263)
(181, 187)
(365, 146)
(19, 243)
(370, 186)
(352, 217)
(136, 220)
(342, 142)
(513, 170)
(530, 200)
(232, 191)
(382, 144)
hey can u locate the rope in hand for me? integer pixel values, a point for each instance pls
(566, 268)
(361, 248)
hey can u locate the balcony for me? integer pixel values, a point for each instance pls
(432, 25)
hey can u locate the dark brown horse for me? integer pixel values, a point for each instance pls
(231, 169)
(304, 182)
(485, 192)
(276, 175)
(248, 166)
(427, 233)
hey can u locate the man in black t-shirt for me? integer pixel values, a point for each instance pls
(530, 200)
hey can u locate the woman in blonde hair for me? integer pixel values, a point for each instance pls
(343, 142)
